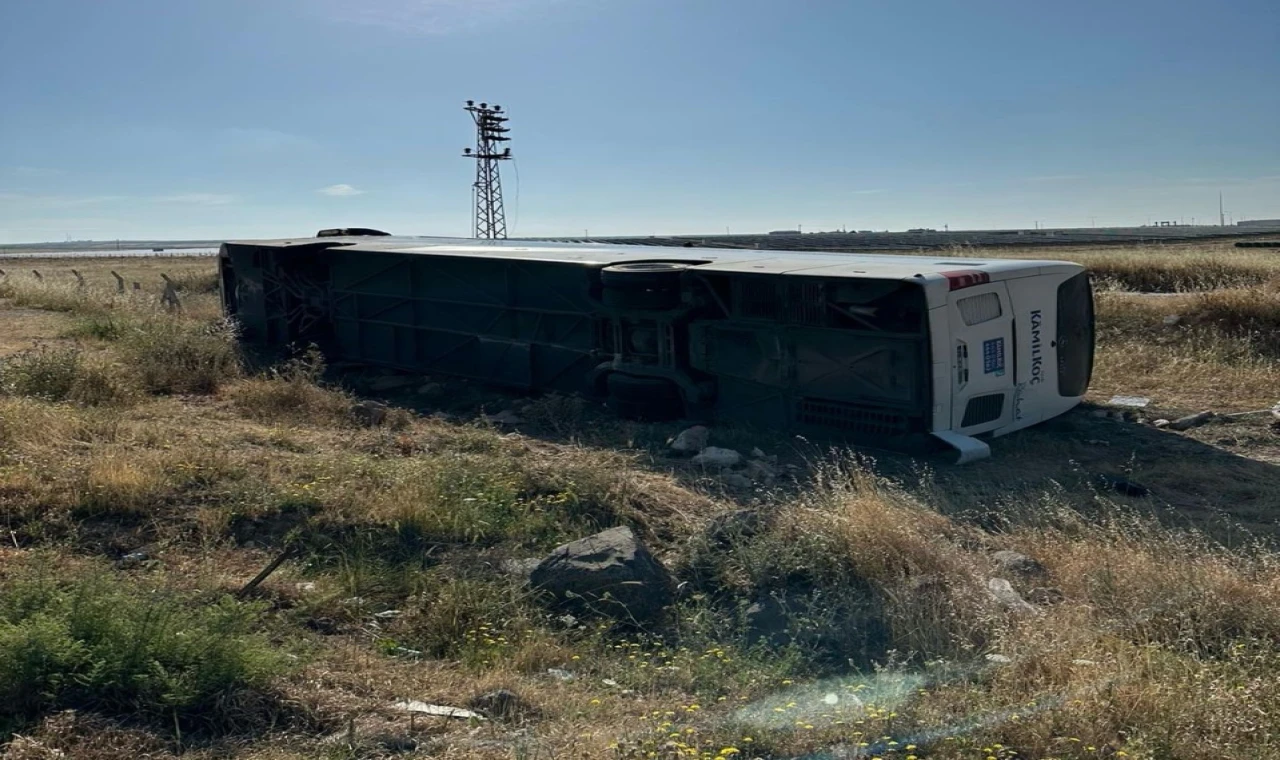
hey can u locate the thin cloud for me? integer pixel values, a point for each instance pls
(427, 16)
(869, 192)
(341, 190)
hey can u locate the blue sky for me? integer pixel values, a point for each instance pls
(239, 118)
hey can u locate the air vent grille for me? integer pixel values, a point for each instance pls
(983, 409)
(852, 418)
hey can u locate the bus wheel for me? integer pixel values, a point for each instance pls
(644, 398)
(642, 285)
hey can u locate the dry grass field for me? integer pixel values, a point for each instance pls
(147, 474)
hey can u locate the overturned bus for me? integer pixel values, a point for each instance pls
(879, 349)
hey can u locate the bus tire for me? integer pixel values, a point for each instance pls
(643, 275)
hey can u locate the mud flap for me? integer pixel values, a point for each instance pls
(970, 448)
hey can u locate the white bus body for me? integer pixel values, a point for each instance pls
(879, 344)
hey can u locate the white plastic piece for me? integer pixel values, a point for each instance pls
(970, 448)
(443, 711)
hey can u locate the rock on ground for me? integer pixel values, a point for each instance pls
(610, 573)
(519, 568)
(1018, 564)
(1191, 421)
(1002, 591)
(369, 413)
(505, 417)
(501, 705)
(713, 456)
(1123, 486)
(691, 440)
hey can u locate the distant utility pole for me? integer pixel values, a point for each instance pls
(490, 217)
(1222, 217)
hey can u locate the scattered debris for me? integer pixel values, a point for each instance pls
(271, 567)
(133, 559)
(1191, 421)
(1273, 411)
(305, 587)
(610, 573)
(691, 441)
(443, 711)
(712, 456)
(1002, 591)
(1123, 486)
(999, 659)
(1162, 423)
(1084, 663)
(505, 417)
(560, 674)
(1172, 320)
(387, 614)
(1137, 402)
(1018, 563)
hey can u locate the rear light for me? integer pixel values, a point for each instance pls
(960, 279)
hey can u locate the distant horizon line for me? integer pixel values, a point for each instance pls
(180, 243)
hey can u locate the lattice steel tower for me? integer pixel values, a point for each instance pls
(490, 218)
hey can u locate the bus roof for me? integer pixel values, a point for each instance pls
(762, 261)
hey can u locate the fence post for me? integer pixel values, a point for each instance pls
(79, 279)
(170, 296)
(39, 276)
(137, 285)
(119, 281)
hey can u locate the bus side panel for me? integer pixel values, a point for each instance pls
(523, 324)
(820, 360)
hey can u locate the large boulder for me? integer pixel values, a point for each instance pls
(611, 573)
